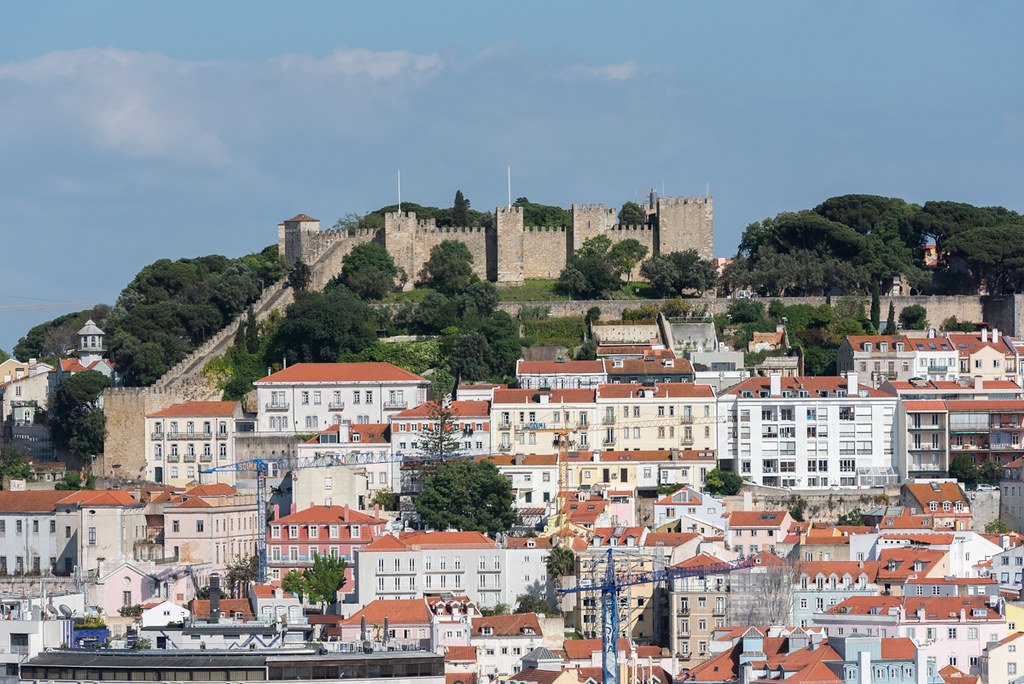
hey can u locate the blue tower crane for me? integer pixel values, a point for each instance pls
(262, 466)
(614, 582)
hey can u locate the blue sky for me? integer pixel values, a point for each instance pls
(131, 132)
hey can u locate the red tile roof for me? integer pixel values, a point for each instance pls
(267, 591)
(629, 390)
(925, 493)
(557, 396)
(430, 540)
(583, 649)
(463, 409)
(42, 501)
(300, 217)
(369, 371)
(669, 539)
(460, 654)
(524, 367)
(652, 367)
(327, 515)
(900, 648)
(397, 612)
(744, 519)
(217, 489)
(200, 608)
(519, 624)
(198, 409)
(99, 497)
(827, 383)
(523, 542)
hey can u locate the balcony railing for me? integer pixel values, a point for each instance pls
(1006, 447)
(396, 404)
(277, 406)
(206, 458)
(684, 611)
(504, 425)
(173, 458)
(190, 458)
(609, 418)
(608, 441)
(686, 419)
(505, 447)
(686, 441)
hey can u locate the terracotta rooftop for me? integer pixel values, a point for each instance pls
(520, 624)
(99, 497)
(370, 371)
(745, 519)
(200, 608)
(396, 611)
(327, 515)
(927, 492)
(524, 367)
(430, 540)
(556, 396)
(462, 409)
(662, 390)
(198, 409)
(41, 501)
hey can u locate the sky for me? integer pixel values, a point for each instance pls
(131, 132)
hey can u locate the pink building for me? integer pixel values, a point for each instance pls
(753, 531)
(324, 530)
(951, 629)
(212, 524)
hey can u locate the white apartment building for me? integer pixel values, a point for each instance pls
(309, 397)
(560, 374)
(691, 503)
(472, 427)
(808, 432)
(534, 478)
(366, 447)
(183, 439)
(101, 525)
(29, 539)
(415, 564)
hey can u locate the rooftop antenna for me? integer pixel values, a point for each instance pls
(707, 189)
(510, 187)
(662, 188)
(399, 191)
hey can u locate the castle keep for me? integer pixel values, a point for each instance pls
(511, 251)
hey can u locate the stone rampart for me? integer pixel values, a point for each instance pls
(544, 251)
(124, 410)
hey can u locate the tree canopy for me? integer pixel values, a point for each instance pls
(449, 269)
(591, 272)
(467, 495)
(675, 272)
(320, 327)
(722, 482)
(76, 421)
(369, 271)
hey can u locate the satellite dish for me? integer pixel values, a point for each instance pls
(51, 610)
(65, 611)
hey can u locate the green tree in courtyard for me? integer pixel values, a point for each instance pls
(467, 495)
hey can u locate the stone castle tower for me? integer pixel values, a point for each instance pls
(511, 251)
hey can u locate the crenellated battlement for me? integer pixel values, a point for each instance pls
(673, 201)
(644, 227)
(546, 229)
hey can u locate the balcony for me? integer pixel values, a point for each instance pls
(206, 458)
(683, 612)
(277, 406)
(608, 441)
(505, 447)
(609, 418)
(719, 611)
(336, 406)
(395, 405)
(582, 425)
(686, 419)
(504, 425)
(686, 441)
(1006, 447)
(223, 434)
(187, 435)
(684, 656)
(173, 458)
(190, 458)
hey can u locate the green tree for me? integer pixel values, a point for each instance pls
(386, 499)
(532, 602)
(240, 574)
(745, 311)
(467, 495)
(76, 421)
(467, 355)
(460, 210)
(587, 351)
(369, 271)
(449, 269)
(544, 215)
(632, 214)
(13, 464)
(440, 439)
(854, 518)
(914, 317)
(320, 327)
(627, 254)
(722, 482)
(797, 510)
(497, 610)
(590, 272)
(73, 481)
(300, 276)
(990, 472)
(951, 324)
(675, 272)
(593, 315)
(890, 319)
(294, 582)
(876, 307)
(324, 578)
(963, 470)
(561, 562)
(4, 356)
(997, 526)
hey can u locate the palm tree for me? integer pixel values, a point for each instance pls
(561, 561)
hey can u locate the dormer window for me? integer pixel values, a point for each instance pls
(487, 631)
(883, 346)
(899, 346)
(531, 544)
(866, 346)
(933, 506)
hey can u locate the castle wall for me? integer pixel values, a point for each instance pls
(124, 411)
(685, 223)
(642, 234)
(508, 250)
(590, 220)
(544, 251)
(409, 241)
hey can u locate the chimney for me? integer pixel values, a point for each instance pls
(362, 628)
(979, 383)
(387, 627)
(995, 335)
(984, 334)
(344, 513)
(277, 511)
(278, 593)
(292, 509)
(214, 598)
(775, 385)
(376, 510)
(931, 333)
(851, 384)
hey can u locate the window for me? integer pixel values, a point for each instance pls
(199, 525)
(369, 396)
(92, 536)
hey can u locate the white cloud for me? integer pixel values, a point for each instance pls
(361, 63)
(619, 72)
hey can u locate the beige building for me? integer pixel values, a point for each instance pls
(1002, 662)
(102, 525)
(523, 421)
(213, 524)
(24, 391)
(988, 355)
(344, 465)
(183, 439)
(698, 606)
(673, 415)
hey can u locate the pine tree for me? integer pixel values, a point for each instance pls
(440, 439)
(890, 320)
(876, 306)
(460, 211)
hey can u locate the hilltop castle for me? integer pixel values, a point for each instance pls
(510, 252)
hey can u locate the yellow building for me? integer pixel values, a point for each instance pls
(672, 415)
(1002, 661)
